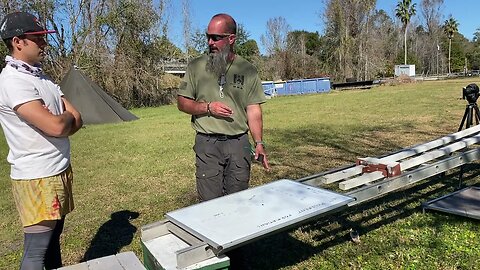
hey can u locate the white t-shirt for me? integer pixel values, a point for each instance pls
(32, 154)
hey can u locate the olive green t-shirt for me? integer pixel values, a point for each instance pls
(242, 87)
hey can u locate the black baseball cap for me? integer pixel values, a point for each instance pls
(20, 23)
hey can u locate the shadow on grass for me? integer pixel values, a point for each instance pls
(283, 250)
(112, 235)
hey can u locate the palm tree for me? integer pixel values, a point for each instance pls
(450, 27)
(405, 10)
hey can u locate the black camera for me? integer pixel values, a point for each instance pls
(470, 93)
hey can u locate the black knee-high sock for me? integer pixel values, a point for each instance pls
(34, 247)
(53, 257)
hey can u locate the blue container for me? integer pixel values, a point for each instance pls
(268, 88)
(296, 87)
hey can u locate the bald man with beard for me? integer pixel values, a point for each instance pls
(223, 93)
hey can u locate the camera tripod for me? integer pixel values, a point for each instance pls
(471, 111)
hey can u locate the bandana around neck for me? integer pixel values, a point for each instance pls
(23, 67)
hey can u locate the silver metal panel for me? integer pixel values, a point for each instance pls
(235, 219)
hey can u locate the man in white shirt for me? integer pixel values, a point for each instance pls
(36, 120)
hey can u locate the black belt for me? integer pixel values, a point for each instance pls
(221, 137)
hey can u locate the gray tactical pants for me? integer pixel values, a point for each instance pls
(222, 165)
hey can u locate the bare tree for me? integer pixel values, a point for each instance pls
(163, 10)
(275, 38)
(199, 43)
(346, 25)
(275, 42)
(432, 14)
(186, 27)
(382, 45)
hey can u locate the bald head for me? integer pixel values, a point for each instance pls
(221, 36)
(226, 22)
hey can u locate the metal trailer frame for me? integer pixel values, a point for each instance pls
(370, 178)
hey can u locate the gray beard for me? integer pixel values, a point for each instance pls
(217, 62)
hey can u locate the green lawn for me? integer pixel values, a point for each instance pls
(147, 167)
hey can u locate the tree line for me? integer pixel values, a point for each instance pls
(124, 45)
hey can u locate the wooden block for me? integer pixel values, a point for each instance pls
(388, 168)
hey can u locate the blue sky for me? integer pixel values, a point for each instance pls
(301, 14)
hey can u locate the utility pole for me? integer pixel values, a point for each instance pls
(465, 68)
(438, 50)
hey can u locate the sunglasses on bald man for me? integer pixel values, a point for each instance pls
(216, 37)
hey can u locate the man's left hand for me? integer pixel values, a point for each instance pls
(260, 151)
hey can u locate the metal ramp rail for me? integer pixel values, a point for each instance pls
(370, 178)
(195, 227)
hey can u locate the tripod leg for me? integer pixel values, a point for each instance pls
(469, 116)
(463, 119)
(477, 113)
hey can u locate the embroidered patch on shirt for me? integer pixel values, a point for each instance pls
(238, 81)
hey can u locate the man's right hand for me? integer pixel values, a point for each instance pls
(220, 109)
(215, 108)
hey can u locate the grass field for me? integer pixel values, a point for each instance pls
(130, 174)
